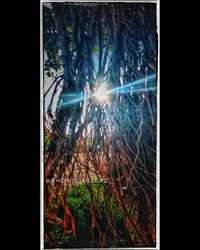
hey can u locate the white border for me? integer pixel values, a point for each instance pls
(41, 132)
(99, 1)
(158, 135)
(41, 126)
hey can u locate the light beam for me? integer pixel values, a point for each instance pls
(102, 93)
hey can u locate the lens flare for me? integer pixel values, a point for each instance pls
(101, 93)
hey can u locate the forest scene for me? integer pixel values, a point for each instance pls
(99, 124)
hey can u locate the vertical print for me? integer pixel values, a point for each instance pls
(99, 124)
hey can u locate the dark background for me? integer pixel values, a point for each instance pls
(20, 124)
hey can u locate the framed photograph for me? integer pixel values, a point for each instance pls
(100, 124)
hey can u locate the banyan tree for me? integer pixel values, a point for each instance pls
(100, 117)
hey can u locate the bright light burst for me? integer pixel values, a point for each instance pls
(101, 93)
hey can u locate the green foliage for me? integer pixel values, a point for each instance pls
(79, 200)
(50, 74)
(56, 234)
(69, 28)
(50, 43)
(47, 141)
(96, 50)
